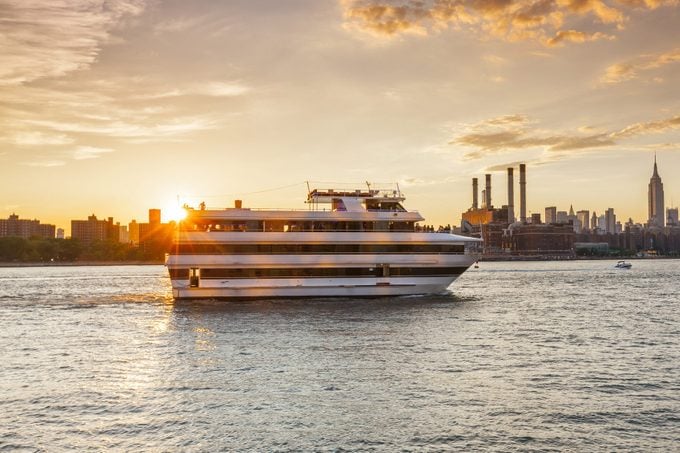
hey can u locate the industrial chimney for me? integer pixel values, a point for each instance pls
(474, 194)
(511, 196)
(487, 193)
(523, 193)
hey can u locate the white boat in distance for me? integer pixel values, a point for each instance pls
(347, 243)
(623, 265)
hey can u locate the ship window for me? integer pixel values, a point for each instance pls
(339, 205)
(194, 277)
(381, 270)
(290, 249)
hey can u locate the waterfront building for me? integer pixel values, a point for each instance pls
(591, 248)
(551, 214)
(672, 217)
(562, 217)
(655, 199)
(536, 218)
(112, 230)
(13, 226)
(123, 235)
(133, 232)
(89, 230)
(154, 216)
(547, 240)
(154, 236)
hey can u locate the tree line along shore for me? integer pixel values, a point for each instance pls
(55, 251)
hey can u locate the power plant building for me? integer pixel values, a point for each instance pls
(503, 235)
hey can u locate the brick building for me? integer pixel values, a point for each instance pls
(24, 228)
(90, 230)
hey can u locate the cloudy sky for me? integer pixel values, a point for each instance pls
(112, 107)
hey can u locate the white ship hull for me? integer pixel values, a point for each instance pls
(294, 288)
(224, 275)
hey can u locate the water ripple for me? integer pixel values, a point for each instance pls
(523, 357)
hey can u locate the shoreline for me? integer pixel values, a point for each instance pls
(82, 263)
(482, 259)
(491, 259)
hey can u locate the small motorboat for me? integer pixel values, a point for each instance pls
(623, 265)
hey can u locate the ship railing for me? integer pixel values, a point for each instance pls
(311, 208)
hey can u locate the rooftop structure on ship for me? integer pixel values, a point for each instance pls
(327, 210)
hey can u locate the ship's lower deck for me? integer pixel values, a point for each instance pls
(266, 265)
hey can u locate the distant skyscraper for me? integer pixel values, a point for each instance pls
(584, 217)
(602, 224)
(551, 214)
(672, 217)
(562, 217)
(610, 220)
(60, 233)
(593, 221)
(656, 203)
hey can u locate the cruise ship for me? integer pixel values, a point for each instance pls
(351, 243)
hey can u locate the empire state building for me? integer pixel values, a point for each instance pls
(656, 204)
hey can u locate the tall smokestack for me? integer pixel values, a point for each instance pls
(475, 198)
(487, 193)
(523, 193)
(511, 196)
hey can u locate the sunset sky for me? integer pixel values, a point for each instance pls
(113, 107)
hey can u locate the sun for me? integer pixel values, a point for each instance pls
(174, 213)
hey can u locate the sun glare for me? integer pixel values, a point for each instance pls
(174, 213)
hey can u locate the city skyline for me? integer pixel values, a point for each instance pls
(175, 212)
(114, 107)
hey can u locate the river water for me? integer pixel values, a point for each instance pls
(537, 356)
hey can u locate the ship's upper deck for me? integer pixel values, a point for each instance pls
(367, 209)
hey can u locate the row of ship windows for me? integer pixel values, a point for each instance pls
(274, 249)
(291, 226)
(377, 271)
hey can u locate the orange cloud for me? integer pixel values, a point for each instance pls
(650, 127)
(563, 36)
(511, 132)
(537, 20)
(631, 69)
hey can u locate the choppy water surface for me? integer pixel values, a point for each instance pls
(525, 356)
